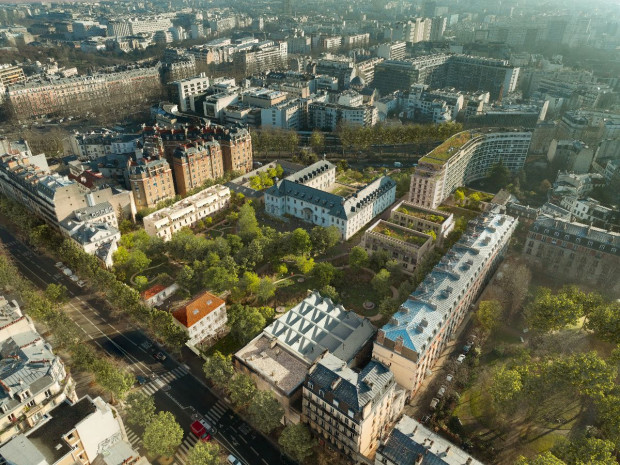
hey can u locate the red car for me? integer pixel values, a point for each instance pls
(200, 430)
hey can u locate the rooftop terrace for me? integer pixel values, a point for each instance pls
(441, 154)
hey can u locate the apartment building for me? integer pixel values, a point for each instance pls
(328, 116)
(463, 72)
(437, 106)
(9, 75)
(411, 342)
(196, 162)
(263, 98)
(571, 155)
(185, 88)
(204, 318)
(296, 196)
(93, 145)
(81, 93)
(285, 115)
(356, 40)
(87, 431)
(259, 59)
(411, 443)
(423, 220)
(392, 51)
(590, 211)
(463, 158)
(278, 359)
(186, 213)
(150, 180)
(350, 410)
(575, 251)
(33, 378)
(407, 246)
(236, 145)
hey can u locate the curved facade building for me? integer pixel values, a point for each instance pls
(463, 158)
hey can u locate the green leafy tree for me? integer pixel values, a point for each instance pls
(324, 238)
(265, 411)
(499, 176)
(116, 381)
(489, 314)
(204, 453)
(163, 435)
(506, 385)
(298, 242)
(608, 409)
(549, 312)
(245, 322)
(358, 258)
(330, 292)
(218, 369)
(459, 196)
(140, 409)
(249, 282)
(604, 320)
(266, 289)
(56, 293)
(388, 306)
(247, 224)
(585, 450)
(546, 458)
(381, 282)
(141, 282)
(324, 273)
(219, 279)
(297, 441)
(588, 373)
(317, 140)
(304, 265)
(242, 390)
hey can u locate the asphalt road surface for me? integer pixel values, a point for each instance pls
(172, 385)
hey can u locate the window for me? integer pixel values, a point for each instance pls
(310, 385)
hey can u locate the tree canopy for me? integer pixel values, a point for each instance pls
(163, 435)
(265, 411)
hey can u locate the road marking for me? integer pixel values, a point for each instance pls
(253, 450)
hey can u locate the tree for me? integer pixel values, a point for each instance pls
(297, 441)
(304, 265)
(141, 282)
(546, 458)
(249, 282)
(330, 292)
(489, 314)
(245, 322)
(506, 385)
(242, 390)
(317, 140)
(140, 409)
(388, 306)
(247, 224)
(459, 196)
(549, 312)
(298, 242)
(204, 453)
(358, 258)
(218, 369)
(324, 273)
(56, 293)
(609, 414)
(324, 238)
(584, 450)
(499, 176)
(604, 320)
(266, 289)
(219, 279)
(381, 282)
(113, 379)
(163, 435)
(265, 411)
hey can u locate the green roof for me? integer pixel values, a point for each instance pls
(408, 210)
(442, 153)
(401, 233)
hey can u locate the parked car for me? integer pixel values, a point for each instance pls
(59, 265)
(233, 460)
(426, 419)
(460, 358)
(66, 271)
(449, 378)
(434, 403)
(466, 348)
(81, 283)
(74, 278)
(442, 391)
(141, 380)
(200, 431)
(159, 356)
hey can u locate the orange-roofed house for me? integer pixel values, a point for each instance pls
(158, 293)
(202, 318)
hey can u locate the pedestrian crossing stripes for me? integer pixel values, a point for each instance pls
(133, 438)
(162, 379)
(188, 442)
(216, 412)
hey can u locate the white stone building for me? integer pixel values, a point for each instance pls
(202, 318)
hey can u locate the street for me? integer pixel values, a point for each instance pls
(176, 388)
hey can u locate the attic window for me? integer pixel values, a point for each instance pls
(195, 312)
(209, 302)
(351, 413)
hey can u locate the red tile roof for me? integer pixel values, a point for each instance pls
(197, 309)
(152, 291)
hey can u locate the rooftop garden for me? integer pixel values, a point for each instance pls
(439, 155)
(401, 234)
(407, 210)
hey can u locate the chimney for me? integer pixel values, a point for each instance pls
(90, 199)
(419, 459)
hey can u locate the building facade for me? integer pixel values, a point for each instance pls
(415, 336)
(347, 409)
(186, 213)
(304, 195)
(407, 246)
(423, 220)
(150, 180)
(464, 158)
(576, 251)
(204, 318)
(195, 163)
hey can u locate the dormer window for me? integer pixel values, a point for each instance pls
(310, 385)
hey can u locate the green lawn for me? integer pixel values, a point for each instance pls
(228, 345)
(354, 292)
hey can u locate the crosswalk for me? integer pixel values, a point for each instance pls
(162, 379)
(134, 439)
(216, 412)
